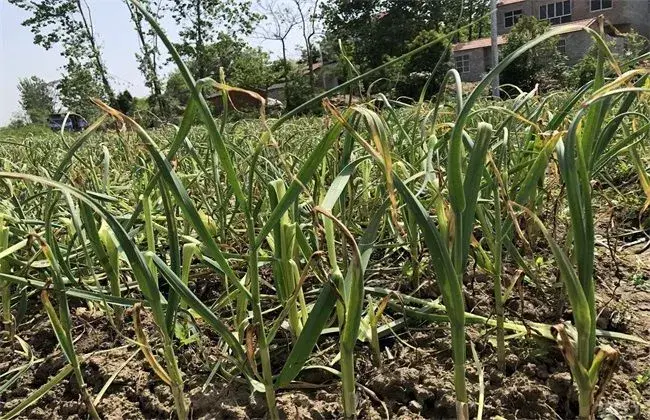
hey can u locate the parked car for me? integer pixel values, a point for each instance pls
(74, 122)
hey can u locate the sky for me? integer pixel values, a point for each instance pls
(20, 58)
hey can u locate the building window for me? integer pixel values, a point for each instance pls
(561, 46)
(558, 12)
(600, 5)
(462, 63)
(511, 18)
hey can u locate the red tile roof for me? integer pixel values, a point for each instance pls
(584, 23)
(478, 43)
(506, 2)
(502, 39)
(317, 65)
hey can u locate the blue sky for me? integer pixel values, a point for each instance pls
(20, 58)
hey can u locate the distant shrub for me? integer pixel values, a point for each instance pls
(17, 121)
(125, 102)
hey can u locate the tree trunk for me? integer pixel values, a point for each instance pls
(470, 18)
(149, 58)
(481, 24)
(200, 53)
(306, 37)
(96, 54)
(285, 72)
(157, 88)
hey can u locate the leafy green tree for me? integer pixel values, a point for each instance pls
(544, 65)
(176, 93)
(380, 28)
(417, 70)
(202, 20)
(328, 48)
(252, 70)
(243, 66)
(68, 23)
(36, 99)
(479, 27)
(79, 84)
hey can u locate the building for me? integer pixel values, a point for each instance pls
(325, 75)
(278, 91)
(472, 59)
(325, 78)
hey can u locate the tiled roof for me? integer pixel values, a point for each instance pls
(585, 23)
(506, 2)
(502, 39)
(478, 43)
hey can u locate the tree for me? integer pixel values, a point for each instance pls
(327, 48)
(251, 69)
(148, 56)
(36, 99)
(243, 66)
(69, 23)
(307, 14)
(201, 20)
(380, 28)
(418, 69)
(281, 21)
(78, 85)
(474, 14)
(543, 65)
(177, 94)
